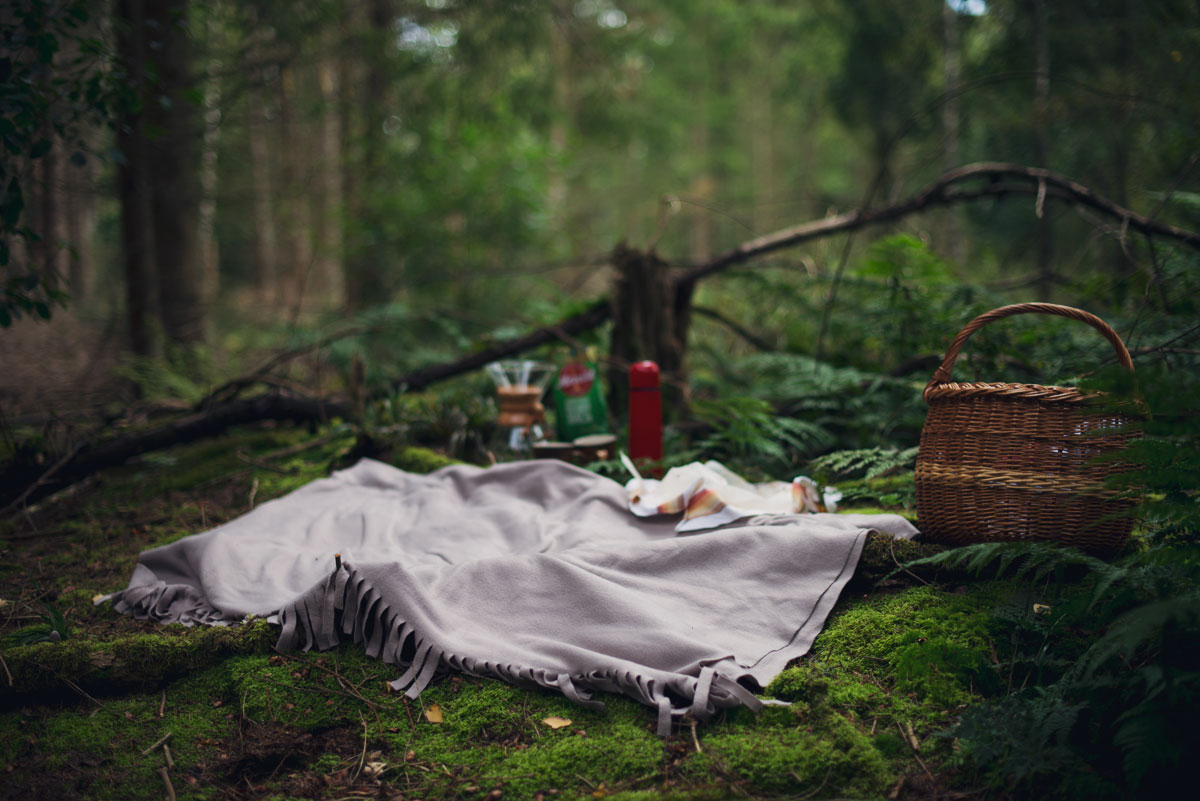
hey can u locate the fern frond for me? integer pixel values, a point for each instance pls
(868, 462)
(1140, 629)
(1033, 560)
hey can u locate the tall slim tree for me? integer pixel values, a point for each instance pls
(175, 178)
(133, 171)
(160, 186)
(366, 255)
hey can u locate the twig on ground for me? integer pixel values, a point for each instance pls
(411, 723)
(892, 548)
(166, 777)
(167, 756)
(162, 705)
(911, 738)
(308, 444)
(253, 491)
(695, 739)
(363, 757)
(161, 741)
(81, 691)
(42, 479)
(352, 690)
(322, 690)
(250, 460)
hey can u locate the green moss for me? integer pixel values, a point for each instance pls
(130, 661)
(416, 459)
(907, 659)
(109, 740)
(881, 560)
(828, 752)
(883, 662)
(327, 763)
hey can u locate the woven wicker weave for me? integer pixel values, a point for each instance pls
(1003, 461)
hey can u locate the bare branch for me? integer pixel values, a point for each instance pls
(1002, 179)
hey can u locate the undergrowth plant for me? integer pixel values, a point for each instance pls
(1102, 666)
(748, 436)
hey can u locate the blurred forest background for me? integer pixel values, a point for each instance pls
(334, 212)
(186, 185)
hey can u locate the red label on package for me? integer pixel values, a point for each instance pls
(576, 379)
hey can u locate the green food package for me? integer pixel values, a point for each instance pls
(579, 407)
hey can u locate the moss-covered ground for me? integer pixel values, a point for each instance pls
(79, 711)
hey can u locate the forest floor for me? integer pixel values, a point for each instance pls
(85, 716)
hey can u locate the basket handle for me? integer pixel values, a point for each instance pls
(942, 374)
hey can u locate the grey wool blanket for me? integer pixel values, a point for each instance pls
(532, 572)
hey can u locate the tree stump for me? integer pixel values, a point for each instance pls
(650, 321)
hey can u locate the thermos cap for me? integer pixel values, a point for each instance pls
(643, 375)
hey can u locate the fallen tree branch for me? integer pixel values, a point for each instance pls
(29, 484)
(944, 191)
(585, 320)
(735, 327)
(23, 483)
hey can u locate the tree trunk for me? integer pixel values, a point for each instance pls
(133, 178)
(174, 179)
(1122, 146)
(209, 253)
(1041, 103)
(328, 287)
(366, 275)
(951, 76)
(650, 321)
(294, 176)
(261, 190)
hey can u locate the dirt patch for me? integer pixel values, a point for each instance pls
(272, 758)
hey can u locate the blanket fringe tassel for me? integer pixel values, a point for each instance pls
(346, 606)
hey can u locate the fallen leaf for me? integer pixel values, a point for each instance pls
(433, 713)
(556, 722)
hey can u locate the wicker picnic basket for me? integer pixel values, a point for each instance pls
(1004, 461)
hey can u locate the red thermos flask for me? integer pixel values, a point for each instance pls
(645, 413)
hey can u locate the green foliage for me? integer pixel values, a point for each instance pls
(53, 83)
(856, 408)
(461, 419)
(1103, 660)
(867, 463)
(748, 435)
(53, 627)
(184, 372)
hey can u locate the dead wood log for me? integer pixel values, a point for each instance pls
(23, 482)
